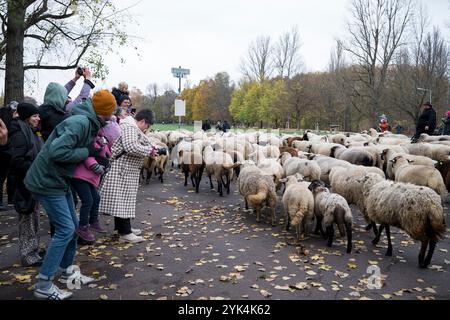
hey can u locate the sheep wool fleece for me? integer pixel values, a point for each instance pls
(119, 188)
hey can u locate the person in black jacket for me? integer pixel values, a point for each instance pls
(206, 126)
(225, 126)
(26, 142)
(7, 115)
(427, 121)
(446, 124)
(120, 92)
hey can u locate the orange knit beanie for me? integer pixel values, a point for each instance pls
(104, 103)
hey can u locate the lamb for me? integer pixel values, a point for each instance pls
(419, 175)
(192, 163)
(257, 189)
(219, 165)
(298, 204)
(414, 209)
(332, 209)
(310, 170)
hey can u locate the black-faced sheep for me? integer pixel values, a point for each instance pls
(332, 209)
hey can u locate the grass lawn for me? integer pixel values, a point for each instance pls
(171, 127)
(174, 127)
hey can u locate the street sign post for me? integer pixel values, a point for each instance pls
(180, 110)
(180, 73)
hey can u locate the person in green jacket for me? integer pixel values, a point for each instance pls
(48, 180)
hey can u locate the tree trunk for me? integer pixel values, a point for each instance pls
(14, 76)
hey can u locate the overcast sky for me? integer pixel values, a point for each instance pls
(209, 36)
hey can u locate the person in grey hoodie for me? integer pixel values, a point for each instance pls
(57, 107)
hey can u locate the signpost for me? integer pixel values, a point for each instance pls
(180, 105)
(180, 110)
(180, 73)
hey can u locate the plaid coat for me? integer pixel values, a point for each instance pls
(119, 187)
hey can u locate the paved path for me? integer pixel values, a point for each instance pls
(201, 246)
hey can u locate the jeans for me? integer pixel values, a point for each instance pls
(62, 247)
(90, 201)
(123, 226)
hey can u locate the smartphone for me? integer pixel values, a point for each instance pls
(80, 71)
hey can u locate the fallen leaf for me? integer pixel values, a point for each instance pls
(265, 293)
(386, 296)
(103, 297)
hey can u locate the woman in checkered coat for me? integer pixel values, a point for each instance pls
(119, 188)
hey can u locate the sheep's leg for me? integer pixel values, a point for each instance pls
(228, 184)
(288, 221)
(348, 229)
(372, 226)
(330, 233)
(375, 229)
(161, 176)
(423, 250)
(430, 253)
(378, 235)
(186, 175)
(220, 186)
(246, 204)
(388, 235)
(192, 179)
(274, 219)
(210, 183)
(319, 227)
(197, 181)
(258, 214)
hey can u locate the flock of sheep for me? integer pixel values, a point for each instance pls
(391, 181)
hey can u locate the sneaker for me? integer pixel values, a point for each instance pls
(53, 293)
(137, 232)
(97, 228)
(85, 234)
(73, 275)
(131, 238)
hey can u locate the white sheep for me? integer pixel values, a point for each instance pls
(257, 189)
(298, 205)
(419, 175)
(414, 209)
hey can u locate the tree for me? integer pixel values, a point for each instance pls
(423, 65)
(258, 64)
(50, 35)
(286, 54)
(377, 31)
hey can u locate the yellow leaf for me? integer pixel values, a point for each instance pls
(351, 265)
(103, 297)
(386, 296)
